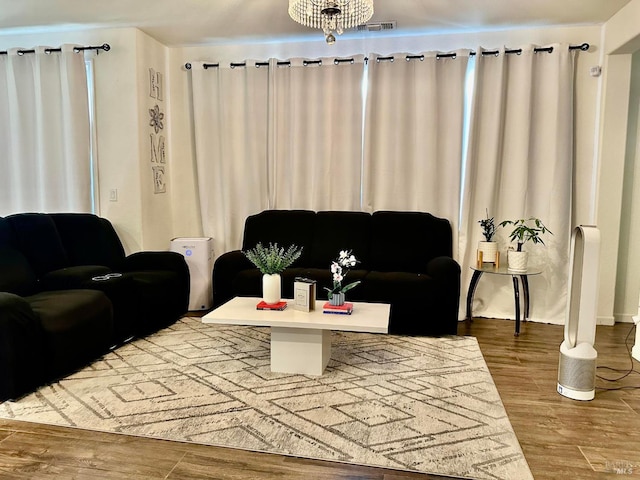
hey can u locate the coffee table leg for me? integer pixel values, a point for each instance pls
(300, 350)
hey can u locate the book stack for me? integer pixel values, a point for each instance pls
(271, 306)
(344, 309)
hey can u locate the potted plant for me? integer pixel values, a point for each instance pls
(524, 230)
(488, 247)
(272, 261)
(339, 269)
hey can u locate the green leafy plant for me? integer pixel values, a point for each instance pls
(339, 269)
(526, 230)
(272, 259)
(488, 227)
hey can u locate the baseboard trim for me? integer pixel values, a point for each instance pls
(609, 321)
(624, 317)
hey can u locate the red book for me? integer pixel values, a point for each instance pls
(271, 306)
(344, 309)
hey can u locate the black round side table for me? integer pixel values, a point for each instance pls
(515, 276)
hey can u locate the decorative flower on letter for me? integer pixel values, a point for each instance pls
(156, 118)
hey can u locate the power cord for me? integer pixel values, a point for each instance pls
(626, 372)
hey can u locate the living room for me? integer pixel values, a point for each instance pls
(605, 184)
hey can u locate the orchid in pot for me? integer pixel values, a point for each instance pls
(272, 261)
(524, 230)
(339, 269)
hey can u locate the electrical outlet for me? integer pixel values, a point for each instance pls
(113, 195)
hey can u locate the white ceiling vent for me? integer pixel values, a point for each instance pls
(377, 26)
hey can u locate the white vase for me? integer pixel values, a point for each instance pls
(489, 250)
(271, 288)
(517, 260)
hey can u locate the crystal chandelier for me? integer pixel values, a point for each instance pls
(331, 15)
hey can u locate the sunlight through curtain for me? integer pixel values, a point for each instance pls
(44, 132)
(520, 164)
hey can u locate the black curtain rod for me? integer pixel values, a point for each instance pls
(105, 46)
(584, 47)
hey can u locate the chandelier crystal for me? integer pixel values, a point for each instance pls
(332, 16)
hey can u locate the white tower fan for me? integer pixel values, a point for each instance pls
(577, 367)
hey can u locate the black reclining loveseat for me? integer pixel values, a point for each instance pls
(405, 260)
(68, 293)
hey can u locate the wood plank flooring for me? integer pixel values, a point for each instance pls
(561, 438)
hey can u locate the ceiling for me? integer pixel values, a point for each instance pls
(202, 22)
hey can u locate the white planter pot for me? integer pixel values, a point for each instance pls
(271, 288)
(489, 250)
(517, 260)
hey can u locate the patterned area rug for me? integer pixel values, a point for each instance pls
(418, 404)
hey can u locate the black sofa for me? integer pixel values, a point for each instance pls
(68, 293)
(405, 260)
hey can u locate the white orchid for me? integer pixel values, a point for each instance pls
(339, 269)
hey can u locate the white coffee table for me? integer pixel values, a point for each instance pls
(301, 341)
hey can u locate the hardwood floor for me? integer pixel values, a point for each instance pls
(561, 438)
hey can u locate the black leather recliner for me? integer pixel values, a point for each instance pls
(68, 293)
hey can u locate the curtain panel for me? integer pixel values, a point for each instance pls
(520, 164)
(413, 134)
(317, 134)
(230, 110)
(44, 132)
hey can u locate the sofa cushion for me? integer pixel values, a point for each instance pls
(336, 231)
(72, 277)
(38, 239)
(284, 227)
(78, 326)
(16, 275)
(407, 241)
(89, 240)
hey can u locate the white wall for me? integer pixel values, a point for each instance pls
(156, 211)
(618, 289)
(628, 273)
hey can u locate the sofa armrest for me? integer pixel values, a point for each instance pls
(155, 261)
(21, 347)
(446, 272)
(443, 268)
(225, 269)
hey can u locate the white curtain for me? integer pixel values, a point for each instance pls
(230, 109)
(317, 134)
(44, 132)
(519, 164)
(413, 134)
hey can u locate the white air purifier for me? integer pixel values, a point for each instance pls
(577, 367)
(198, 253)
